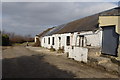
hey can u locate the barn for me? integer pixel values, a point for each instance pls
(76, 37)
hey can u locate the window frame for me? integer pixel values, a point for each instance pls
(68, 40)
(48, 40)
(53, 40)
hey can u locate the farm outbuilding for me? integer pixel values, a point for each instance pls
(76, 37)
(109, 22)
(110, 40)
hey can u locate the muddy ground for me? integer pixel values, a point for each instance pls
(20, 62)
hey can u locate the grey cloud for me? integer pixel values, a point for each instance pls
(34, 17)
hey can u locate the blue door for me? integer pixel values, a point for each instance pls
(110, 41)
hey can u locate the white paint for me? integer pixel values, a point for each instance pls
(93, 38)
(36, 38)
(78, 54)
(58, 43)
(75, 50)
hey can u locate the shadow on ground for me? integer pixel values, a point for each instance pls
(31, 67)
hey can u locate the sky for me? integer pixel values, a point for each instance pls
(34, 17)
(59, 0)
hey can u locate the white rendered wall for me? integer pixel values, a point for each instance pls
(78, 53)
(95, 39)
(57, 44)
(56, 41)
(36, 38)
(64, 40)
(92, 38)
(73, 39)
(46, 45)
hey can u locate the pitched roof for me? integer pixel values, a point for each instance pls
(85, 24)
(45, 32)
(89, 23)
(111, 12)
(55, 30)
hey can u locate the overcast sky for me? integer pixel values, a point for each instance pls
(33, 17)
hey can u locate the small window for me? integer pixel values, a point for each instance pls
(49, 40)
(68, 40)
(81, 41)
(59, 38)
(53, 41)
(44, 40)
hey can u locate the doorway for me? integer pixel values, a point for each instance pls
(110, 41)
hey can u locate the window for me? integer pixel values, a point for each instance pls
(81, 41)
(49, 40)
(44, 40)
(82, 44)
(59, 39)
(68, 40)
(53, 41)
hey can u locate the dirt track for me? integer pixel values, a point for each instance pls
(20, 62)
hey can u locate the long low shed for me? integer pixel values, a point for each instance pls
(100, 30)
